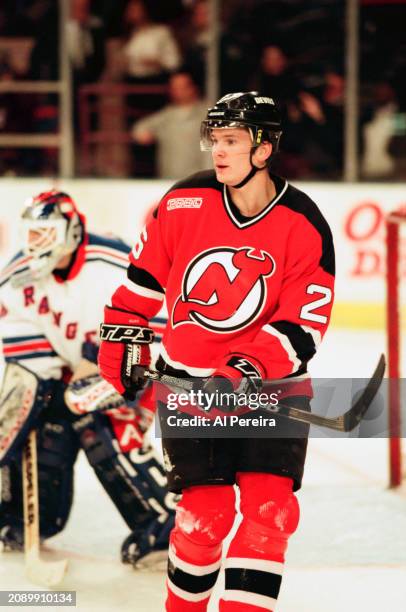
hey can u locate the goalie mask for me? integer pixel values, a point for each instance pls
(51, 228)
(251, 111)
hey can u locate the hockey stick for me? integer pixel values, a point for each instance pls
(345, 422)
(38, 571)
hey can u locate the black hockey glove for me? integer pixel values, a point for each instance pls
(237, 376)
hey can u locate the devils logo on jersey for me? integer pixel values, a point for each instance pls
(223, 289)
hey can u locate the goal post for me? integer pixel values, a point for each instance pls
(394, 222)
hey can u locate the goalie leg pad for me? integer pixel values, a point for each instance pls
(144, 541)
(22, 399)
(134, 480)
(57, 449)
(143, 545)
(57, 452)
(11, 508)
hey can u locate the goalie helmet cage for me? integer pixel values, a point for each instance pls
(394, 222)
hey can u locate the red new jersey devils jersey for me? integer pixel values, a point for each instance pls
(260, 287)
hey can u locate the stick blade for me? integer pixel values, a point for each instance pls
(46, 573)
(358, 410)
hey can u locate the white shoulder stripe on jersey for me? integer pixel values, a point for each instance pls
(190, 568)
(251, 599)
(186, 595)
(315, 334)
(192, 371)
(106, 257)
(286, 345)
(142, 291)
(95, 249)
(14, 267)
(273, 567)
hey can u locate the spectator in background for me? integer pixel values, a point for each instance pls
(312, 117)
(277, 75)
(332, 102)
(377, 162)
(151, 51)
(85, 38)
(85, 35)
(175, 128)
(195, 38)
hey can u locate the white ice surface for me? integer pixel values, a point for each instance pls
(349, 553)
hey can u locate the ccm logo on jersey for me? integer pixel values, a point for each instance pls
(174, 203)
(224, 289)
(122, 333)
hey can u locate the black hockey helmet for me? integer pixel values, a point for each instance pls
(249, 110)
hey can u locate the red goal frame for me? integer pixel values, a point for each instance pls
(393, 222)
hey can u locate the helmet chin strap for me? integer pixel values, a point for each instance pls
(251, 173)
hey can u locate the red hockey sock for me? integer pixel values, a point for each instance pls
(254, 564)
(204, 517)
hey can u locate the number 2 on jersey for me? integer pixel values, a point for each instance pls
(307, 311)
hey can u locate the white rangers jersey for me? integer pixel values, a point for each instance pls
(44, 323)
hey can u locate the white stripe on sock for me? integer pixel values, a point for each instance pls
(191, 568)
(255, 564)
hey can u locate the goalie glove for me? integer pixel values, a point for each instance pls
(92, 393)
(124, 353)
(235, 374)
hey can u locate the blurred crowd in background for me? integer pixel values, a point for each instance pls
(139, 82)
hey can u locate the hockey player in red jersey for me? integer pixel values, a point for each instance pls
(51, 304)
(245, 262)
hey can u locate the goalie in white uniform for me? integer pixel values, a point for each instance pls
(52, 295)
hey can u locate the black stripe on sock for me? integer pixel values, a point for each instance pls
(253, 581)
(188, 582)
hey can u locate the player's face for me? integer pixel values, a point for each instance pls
(231, 149)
